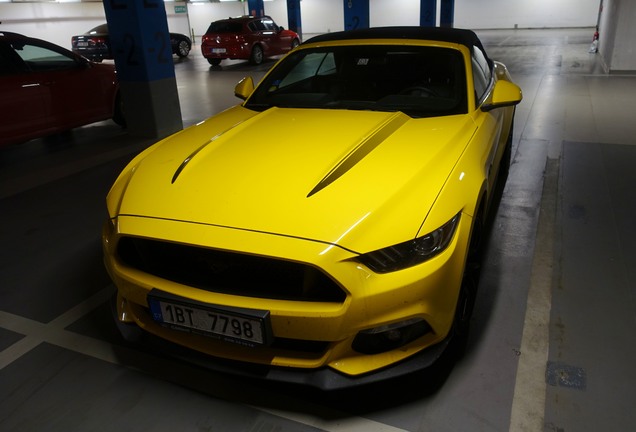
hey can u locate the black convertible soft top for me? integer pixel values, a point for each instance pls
(453, 35)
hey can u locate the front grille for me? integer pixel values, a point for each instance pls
(229, 272)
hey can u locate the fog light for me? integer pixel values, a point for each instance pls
(390, 337)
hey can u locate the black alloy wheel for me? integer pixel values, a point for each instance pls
(256, 57)
(183, 48)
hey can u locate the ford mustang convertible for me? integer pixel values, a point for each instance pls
(326, 230)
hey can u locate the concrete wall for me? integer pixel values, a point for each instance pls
(617, 42)
(57, 22)
(394, 12)
(493, 14)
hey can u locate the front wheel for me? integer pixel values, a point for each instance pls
(468, 290)
(183, 48)
(118, 112)
(256, 57)
(464, 311)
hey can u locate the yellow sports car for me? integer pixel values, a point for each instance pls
(324, 231)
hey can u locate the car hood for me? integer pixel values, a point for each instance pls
(361, 180)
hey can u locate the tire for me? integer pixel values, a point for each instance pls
(118, 111)
(295, 43)
(506, 159)
(183, 48)
(256, 57)
(464, 311)
(214, 61)
(468, 290)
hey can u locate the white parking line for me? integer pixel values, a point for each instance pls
(54, 333)
(342, 424)
(36, 332)
(528, 404)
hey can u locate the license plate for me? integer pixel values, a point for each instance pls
(218, 50)
(82, 44)
(249, 327)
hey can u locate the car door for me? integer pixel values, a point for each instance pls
(73, 93)
(490, 122)
(277, 43)
(25, 102)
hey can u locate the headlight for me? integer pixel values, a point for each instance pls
(412, 252)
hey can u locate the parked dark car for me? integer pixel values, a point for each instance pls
(95, 44)
(48, 89)
(248, 38)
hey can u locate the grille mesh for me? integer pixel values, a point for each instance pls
(228, 272)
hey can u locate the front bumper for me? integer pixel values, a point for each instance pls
(323, 378)
(428, 291)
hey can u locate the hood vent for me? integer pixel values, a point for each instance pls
(365, 147)
(194, 153)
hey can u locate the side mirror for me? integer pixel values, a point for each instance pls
(504, 94)
(83, 63)
(244, 88)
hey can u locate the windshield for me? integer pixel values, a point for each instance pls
(419, 81)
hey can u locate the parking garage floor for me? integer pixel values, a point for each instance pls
(552, 343)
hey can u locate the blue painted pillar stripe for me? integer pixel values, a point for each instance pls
(256, 7)
(293, 16)
(139, 39)
(447, 13)
(356, 14)
(428, 13)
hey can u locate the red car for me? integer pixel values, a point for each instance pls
(48, 89)
(248, 38)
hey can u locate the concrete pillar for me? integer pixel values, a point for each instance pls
(293, 16)
(356, 14)
(428, 13)
(617, 36)
(447, 13)
(143, 57)
(256, 7)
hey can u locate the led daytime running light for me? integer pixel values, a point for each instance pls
(412, 252)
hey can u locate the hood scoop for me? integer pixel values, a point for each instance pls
(187, 160)
(366, 146)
